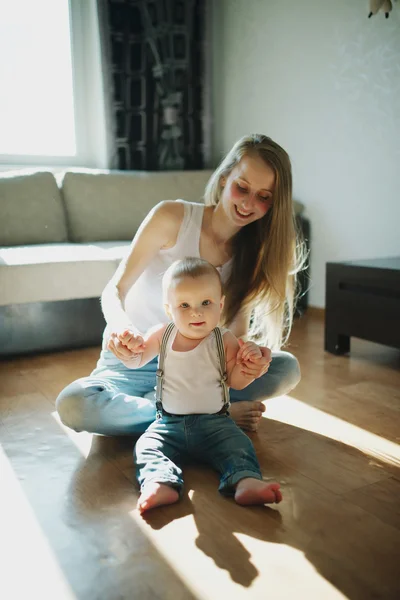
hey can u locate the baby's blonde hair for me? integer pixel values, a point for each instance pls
(190, 266)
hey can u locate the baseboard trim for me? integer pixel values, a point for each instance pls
(316, 311)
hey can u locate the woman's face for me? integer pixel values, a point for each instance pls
(248, 190)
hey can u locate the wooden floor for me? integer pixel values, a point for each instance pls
(69, 528)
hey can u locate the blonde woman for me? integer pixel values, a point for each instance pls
(246, 229)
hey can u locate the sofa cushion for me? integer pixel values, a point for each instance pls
(111, 205)
(47, 272)
(31, 210)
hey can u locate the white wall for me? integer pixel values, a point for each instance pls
(323, 80)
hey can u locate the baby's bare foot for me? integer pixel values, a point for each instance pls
(156, 494)
(247, 414)
(256, 491)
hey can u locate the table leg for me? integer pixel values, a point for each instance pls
(336, 343)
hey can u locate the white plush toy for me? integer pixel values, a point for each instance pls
(376, 5)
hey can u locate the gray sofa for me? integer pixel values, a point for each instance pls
(62, 236)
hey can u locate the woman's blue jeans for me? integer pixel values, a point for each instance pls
(215, 440)
(115, 400)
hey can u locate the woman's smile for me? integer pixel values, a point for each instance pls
(241, 213)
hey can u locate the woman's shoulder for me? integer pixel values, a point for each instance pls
(178, 208)
(177, 219)
(168, 214)
(173, 209)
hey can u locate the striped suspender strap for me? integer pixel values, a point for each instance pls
(161, 360)
(222, 366)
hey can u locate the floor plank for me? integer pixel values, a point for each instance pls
(381, 499)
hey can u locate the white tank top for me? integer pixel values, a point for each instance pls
(192, 379)
(144, 302)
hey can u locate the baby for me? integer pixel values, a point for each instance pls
(197, 363)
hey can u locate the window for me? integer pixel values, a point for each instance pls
(51, 109)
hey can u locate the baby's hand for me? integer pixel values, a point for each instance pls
(134, 343)
(256, 364)
(252, 361)
(248, 352)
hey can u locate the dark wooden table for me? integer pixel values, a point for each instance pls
(362, 300)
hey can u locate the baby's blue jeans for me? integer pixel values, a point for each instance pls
(212, 439)
(115, 400)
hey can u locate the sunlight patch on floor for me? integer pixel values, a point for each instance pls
(29, 568)
(208, 577)
(82, 440)
(288, 570)
(184, 547)
(287, 409)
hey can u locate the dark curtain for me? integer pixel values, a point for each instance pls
(153, 61)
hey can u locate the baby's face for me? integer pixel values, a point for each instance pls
(195, 305)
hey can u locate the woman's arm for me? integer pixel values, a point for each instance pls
(159, 230)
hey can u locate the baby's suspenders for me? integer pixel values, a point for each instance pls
(160, 370)
(161, 361)
(222, 368)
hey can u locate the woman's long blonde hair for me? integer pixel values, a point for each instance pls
(268, 253)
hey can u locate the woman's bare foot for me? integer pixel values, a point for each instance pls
(156, 494)
(247, 414)
(256, 491)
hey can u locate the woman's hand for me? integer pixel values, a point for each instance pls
(125, 343)
(255, 363)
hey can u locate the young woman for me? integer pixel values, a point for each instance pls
(246, 229)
